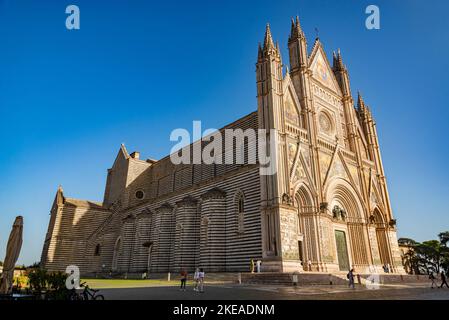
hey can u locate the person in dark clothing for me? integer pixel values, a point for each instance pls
(443, 280)
(183, 279)
(432, 278)
(350, 277)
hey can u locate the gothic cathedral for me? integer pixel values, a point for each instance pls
(327, 208)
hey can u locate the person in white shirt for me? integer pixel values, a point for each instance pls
(201, 280)
(196, 278)
(258, 263)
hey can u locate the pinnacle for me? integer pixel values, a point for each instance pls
(360, 102)
(268, 42)
(296, 31)
(338, 61)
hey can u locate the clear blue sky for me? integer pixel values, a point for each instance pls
(138, 69)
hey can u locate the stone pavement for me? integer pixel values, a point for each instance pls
(269, 292)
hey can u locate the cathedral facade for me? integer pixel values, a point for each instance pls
(327, 205)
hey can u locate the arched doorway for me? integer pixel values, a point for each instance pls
(381, 236)
(347, 214)
(307, 242)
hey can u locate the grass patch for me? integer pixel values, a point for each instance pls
(130, 283)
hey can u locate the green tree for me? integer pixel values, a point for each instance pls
(428, 256)
(444, 238)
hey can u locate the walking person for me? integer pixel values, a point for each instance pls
(258, 264)
(196, 278)
(183, 274)
(309, 265)
(443, 280)
(252, 266)
(432, 278)
(201, 280)
(350, 276)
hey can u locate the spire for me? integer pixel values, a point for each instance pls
(268, 42)
(296, 30)
(360, 102)
(292, 29)
(338, 61)
(363, 109)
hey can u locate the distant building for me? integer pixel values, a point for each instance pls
(328, 202)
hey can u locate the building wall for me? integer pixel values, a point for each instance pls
(179, 237)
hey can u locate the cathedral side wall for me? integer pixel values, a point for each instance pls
(174, 231)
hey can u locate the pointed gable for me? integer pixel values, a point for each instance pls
(291, 103)
(321, 69)
(121, 156)
(117, 177)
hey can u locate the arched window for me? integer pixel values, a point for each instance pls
(240, 203)
(97, 250)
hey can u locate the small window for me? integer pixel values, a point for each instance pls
(240, 214)
(241, 204)
(140, 194)
(97, 250)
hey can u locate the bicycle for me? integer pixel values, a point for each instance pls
(87, 294)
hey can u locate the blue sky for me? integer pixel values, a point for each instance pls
(136, 70)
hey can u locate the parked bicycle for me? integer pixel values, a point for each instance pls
(87, 294)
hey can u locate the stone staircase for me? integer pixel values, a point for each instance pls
(309, 278)
(315, 278)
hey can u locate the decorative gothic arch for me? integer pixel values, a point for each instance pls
(380, 222)
(343, 197)
(340, 193)
(378, 218)
(304, 223)
(303, 198)
(116, 254)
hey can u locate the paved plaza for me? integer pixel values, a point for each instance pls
(269, 292)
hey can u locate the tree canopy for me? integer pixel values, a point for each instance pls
(428, 256)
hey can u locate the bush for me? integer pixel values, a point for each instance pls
(51, 284)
